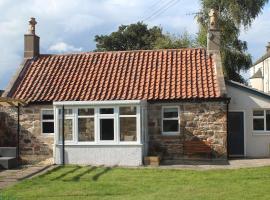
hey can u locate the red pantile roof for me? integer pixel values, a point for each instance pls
(126, 75)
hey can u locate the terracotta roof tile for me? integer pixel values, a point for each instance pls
(150, 75)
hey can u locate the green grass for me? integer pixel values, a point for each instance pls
(75, 182)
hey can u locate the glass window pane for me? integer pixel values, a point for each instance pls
(258, 113)
(106, 111)
(47, 127)
(86, 129)
(47, 114)
(128, 129)
(86, 111)
(170, 113)
(258, 124)
(268, 120)
(106, 129)
(131, 110)
(67, 130)
(170, 126)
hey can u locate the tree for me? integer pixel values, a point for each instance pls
(170, 41)
(138, 36)
(233, 15)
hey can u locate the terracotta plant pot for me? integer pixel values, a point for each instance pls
(152, 160)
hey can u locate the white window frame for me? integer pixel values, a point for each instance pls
(97, 117)
(73, 117)
(46, 120)
(260, 132)
(137, 116)
(85, 117)
(162, 119)
(106, 116)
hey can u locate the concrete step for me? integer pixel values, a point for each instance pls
(8, 162)
(8, 151)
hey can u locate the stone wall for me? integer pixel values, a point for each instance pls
(205, 123)
(34, 146)
(8, 127)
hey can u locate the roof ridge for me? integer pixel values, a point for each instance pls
(123, 51)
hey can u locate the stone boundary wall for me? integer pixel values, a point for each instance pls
(202, 122)
(34, 146)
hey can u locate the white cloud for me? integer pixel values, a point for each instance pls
(81, 22)
(62, 47)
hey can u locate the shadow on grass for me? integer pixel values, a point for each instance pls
(78, 176)
(34, 173)
(104, 171)
(66, 173)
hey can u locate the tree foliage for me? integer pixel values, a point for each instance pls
(138, 36)
(233, 15)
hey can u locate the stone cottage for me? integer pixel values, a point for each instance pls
(115, 108)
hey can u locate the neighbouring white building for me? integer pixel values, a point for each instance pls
(260, 72)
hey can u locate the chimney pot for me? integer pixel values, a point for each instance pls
(213, 36)
(32, 26)
(213, 15)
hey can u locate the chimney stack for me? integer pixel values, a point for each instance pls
(213, 36)
(31, 41)
(213, 48)
(268, 48)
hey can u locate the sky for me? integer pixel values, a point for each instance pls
(66, 26)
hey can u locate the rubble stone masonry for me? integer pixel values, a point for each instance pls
(34, 146)
(205, 123)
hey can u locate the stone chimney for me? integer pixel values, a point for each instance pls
(31, 41)
(268, 48)
(213, 36)
(213, 49)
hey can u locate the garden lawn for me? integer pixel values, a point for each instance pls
(75, 182)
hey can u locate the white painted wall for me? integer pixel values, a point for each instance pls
(265, 68)
(109, 155)
(256, 145)
(257, 83)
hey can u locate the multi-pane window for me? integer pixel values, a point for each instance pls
(114, 124)
(170, 120)
(128, 124)
(261, 120)
(86, 124)
(47, 121)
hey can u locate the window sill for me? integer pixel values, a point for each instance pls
(261, 133)
(47, 134)
(170, 133)
(100, 144)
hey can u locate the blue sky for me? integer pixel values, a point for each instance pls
(70, 26)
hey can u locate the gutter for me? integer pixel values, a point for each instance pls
(194, 100)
